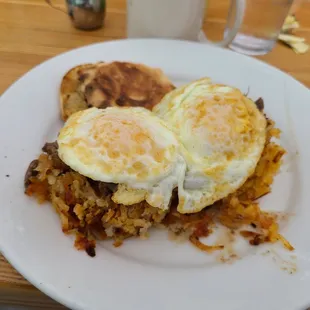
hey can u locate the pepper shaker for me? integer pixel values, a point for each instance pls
(85, 14)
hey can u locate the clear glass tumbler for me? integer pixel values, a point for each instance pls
(261, 25)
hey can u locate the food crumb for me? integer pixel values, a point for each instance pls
(288, 266)
(228, 259)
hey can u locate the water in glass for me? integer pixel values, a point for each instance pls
(261, 25)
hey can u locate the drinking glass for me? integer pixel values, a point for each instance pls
(262, 22)
(176, 19)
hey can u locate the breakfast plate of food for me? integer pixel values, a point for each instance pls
(157, 174)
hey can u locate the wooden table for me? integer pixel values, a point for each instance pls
(31, 32)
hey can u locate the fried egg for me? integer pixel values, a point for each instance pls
(222, 133)
(127, 146)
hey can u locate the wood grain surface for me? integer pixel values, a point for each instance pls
(31, 32)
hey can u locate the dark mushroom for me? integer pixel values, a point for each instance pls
(52, 150)
(260, 104)
(31, 172)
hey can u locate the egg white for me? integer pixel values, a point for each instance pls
(126, 146)
(222, 135)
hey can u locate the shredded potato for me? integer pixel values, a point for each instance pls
(203, 247)
(91, 211)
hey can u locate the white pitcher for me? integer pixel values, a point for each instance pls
(175, 19)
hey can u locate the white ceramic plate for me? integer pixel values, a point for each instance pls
(157, 273)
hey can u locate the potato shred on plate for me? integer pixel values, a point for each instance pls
(200, 159)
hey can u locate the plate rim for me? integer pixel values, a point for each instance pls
(27, 274)
(129, 40)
